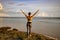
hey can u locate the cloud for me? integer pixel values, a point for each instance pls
(11, 3)
(1, 7)
(48, 7)
(2, 11)
(21, 4)
(3, 15)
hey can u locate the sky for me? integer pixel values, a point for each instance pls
(47, 8)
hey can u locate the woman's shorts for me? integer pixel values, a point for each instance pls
(29, 24)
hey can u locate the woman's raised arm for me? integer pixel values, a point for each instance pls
(35, 13)
(24, 13)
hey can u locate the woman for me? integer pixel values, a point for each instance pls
(29, 21)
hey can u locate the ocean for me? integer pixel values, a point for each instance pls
(43, 26)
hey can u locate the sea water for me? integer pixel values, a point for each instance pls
(46, 26)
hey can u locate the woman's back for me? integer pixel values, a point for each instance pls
(29, 18)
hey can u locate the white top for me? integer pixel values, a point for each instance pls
(29, 18)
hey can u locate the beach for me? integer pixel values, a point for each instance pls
(48, 27)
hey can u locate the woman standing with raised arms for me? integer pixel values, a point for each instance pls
(29, 21)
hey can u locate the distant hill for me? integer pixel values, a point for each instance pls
(35, 17)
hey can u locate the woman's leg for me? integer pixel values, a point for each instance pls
(27, 29)
(30, 29)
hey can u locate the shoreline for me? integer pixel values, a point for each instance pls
(8, 34)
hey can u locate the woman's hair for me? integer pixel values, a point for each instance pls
(29, 13)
